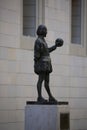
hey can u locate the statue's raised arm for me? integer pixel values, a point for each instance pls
(58, 43)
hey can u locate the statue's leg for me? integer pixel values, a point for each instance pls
(51, 98)
(39, 88)
(46, 84)
(39, 84)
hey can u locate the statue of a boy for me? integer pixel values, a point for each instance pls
(42, 62)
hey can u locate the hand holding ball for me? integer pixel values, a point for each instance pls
(59, 42)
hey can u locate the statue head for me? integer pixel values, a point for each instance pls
(42, 30)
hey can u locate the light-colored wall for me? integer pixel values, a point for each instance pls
(17, 80)
(69, 78)
(11, 114)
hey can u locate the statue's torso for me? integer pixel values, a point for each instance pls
(42, 56)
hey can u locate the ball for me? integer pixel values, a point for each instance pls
(59, 42)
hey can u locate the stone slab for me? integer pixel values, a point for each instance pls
(41, 117)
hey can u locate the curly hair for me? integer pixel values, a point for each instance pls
(41, 30)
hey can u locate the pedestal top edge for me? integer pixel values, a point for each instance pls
(47, 103)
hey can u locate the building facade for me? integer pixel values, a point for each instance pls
(19, 19)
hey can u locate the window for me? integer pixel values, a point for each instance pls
(32, 15)
(78, 27)
(76, 21)
(64, 121)
(29, 17)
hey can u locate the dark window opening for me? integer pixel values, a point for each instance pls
(64, 121)
(76, 21)
(29, 17)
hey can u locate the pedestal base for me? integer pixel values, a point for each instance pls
(41, 117)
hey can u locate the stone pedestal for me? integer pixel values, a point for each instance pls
(41, 117)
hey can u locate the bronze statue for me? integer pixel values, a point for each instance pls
(42, 62)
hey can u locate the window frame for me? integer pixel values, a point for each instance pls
(29, 18)
(81, 21)
(27, 42)
(79, 49)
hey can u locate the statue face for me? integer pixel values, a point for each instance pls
(44, 32)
